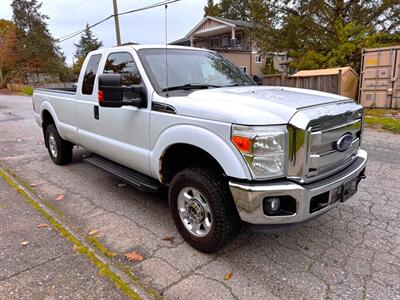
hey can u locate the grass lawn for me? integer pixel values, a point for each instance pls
(383, 118)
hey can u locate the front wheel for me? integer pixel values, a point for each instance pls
(203, 209)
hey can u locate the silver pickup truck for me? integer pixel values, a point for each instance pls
(229, 151)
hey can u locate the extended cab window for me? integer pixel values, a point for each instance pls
(124, 64)
(90, 74)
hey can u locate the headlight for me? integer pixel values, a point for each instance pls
(263, 148)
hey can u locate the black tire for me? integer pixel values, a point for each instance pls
(225, 223)
(63, 154)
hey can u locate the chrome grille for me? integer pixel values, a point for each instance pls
(313, 134)
(324, 158)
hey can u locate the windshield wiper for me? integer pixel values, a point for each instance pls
(189, 86)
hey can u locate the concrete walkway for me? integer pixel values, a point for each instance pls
(37, 262)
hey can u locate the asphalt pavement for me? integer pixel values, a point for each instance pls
(352, 252)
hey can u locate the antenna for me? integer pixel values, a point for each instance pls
(166, 48)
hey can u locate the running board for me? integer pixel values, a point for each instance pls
(131, 177)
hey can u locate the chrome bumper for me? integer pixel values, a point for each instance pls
(249, 196)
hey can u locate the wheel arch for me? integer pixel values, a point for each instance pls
(183, 144)
(47, 119)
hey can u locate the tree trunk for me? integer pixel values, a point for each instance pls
(2, 83)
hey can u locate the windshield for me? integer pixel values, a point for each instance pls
(190, 69)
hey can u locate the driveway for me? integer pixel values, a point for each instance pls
(351, 252)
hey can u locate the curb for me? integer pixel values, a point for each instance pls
(122, 279)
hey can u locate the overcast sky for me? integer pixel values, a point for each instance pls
(146, 27)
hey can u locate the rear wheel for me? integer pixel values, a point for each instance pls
(203, 209)
(60, 150)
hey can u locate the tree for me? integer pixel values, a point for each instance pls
(8, 47)
(229, 9)
(325, 33)
(211, 9)
(87, 43)
(235, 9)
(36, 51)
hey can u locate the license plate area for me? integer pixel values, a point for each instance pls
(345, 191)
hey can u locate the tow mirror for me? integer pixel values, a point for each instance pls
(111, 92)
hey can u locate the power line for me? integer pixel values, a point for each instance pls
(73, 34)
(47, 3)
(148, 7)
(67, 12)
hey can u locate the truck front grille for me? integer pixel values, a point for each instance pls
(313, 137)
(323, 157)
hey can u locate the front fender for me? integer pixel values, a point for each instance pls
(230, 159)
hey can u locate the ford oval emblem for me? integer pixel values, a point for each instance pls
(344, 142)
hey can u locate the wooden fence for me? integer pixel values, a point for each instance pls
(324, 83)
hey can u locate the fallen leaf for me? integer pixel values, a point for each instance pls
(134, 256)
(41, 225)
(33, 184)
(93, 232)
(75, 248)
(24, 243)
(228, 276)
(60, 197)
(168, 238)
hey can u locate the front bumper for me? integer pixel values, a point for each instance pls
(249, 196)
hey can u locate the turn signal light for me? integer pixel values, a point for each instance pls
(242, 143)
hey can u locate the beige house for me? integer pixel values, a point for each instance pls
(230, 38)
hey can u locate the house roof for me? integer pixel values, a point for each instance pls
(180, 41)
(332, 71)
(228, 22)
(239, 23)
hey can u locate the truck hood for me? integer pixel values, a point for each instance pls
(253, 105)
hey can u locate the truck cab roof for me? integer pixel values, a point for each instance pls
(149, 46)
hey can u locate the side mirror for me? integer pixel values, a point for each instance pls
(111, 92)
(258, 80)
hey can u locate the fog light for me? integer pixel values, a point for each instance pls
(272, 205)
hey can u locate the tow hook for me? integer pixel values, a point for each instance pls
(362, 176)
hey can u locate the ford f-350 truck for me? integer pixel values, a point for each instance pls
(229, 151)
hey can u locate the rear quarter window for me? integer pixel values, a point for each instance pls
(90, 74)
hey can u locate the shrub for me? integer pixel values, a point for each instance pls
(27, 90)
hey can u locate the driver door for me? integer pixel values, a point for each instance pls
(125, 131)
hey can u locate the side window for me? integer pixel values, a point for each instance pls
(124, 64)
(90, 74)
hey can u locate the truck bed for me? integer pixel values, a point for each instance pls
(71, 90)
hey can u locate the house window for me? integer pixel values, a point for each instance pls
(214, 42)
(258, 59)
(225, 43)
(243, 69)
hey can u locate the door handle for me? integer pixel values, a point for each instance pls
(96, 112)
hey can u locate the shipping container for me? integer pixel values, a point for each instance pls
(380, 78)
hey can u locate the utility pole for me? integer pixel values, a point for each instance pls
(116, 20)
